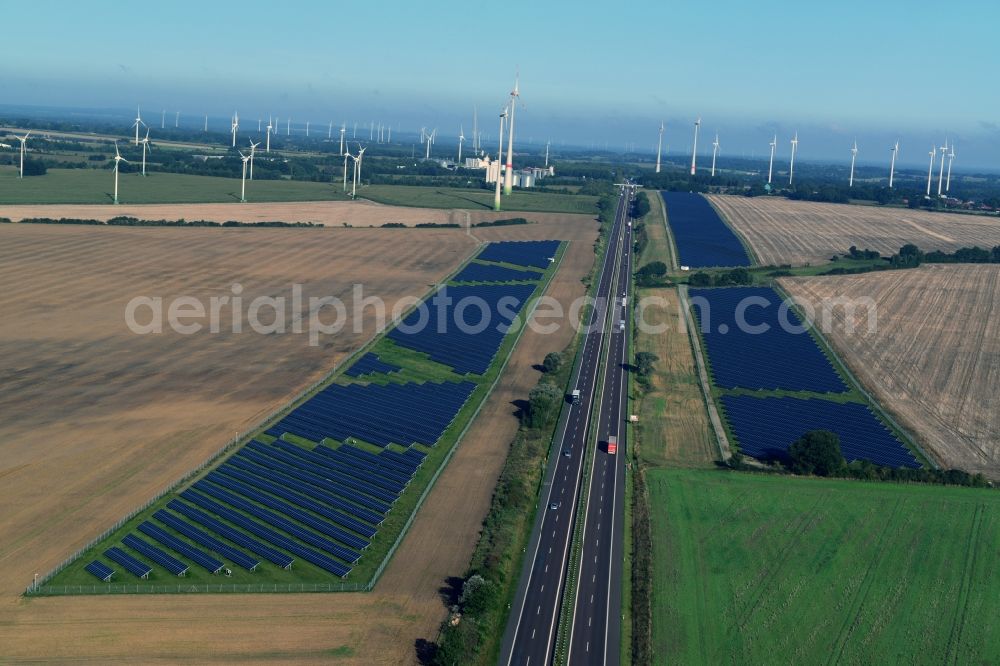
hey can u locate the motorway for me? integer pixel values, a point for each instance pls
(531, 628)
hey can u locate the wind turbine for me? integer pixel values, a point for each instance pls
(343, 129)
(118, 159)
(288, 126)
(346, 155)
(307, 128)
(892, 163)
(508, 178)
(258, 125)
(430, 140)
(243, 182)
(951, 158)
(177, 119)
(547, 143)
(206, 122)
(461, 139)
(163, 119)
(236, 126)
(791, 165)
(944, 149)
(930, 171)
(496, 195)
(253, 149)
(715, 151)
(770, 166)
(329, 130)
(267, 145)
(357, 170)
(694, 149)
(138, 121)
(22, 139)
(475, 130)
(659, 148)
(854, 155)
(145, 146)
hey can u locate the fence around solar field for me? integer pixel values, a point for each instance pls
(41, 587)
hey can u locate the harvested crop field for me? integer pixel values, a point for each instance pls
(107, 418)
(933, 359)
(797, 232)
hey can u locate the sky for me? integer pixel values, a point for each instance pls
(600, 73)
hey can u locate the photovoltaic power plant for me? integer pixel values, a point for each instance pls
(492, 273)
(463, 326)
(766, 427)
(749, 346)
(521, 253)
(370, 364)
(703, 239)
(403, 414)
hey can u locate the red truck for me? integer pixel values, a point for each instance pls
(612, 445)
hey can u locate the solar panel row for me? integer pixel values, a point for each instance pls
(463, 326)
(165, 560)
(521, 253)
(227, 532)
(766, 427)
(101, 570)
(491, 273)
(199, 557)
(752, 345)
(132, 565)
(370, 364)
(703, 239)
(205, 539)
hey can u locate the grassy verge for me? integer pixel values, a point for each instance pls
(73, 579)
(89, 186)
(456, 197)
(760, 569)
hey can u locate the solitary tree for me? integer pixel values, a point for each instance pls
(644, 363)
(552, 362)
(817, 452)
(542, 403)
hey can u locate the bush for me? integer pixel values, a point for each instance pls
(817, 452)
(700, 279)
(543, 404)
(552, 362)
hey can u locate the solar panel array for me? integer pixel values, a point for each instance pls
(466, 330)
(378, 414)
(492, 273)
(703, 239)
(131, 564)
(370, 364)
(101, 570)
(766, 428)
(742, 355)
(521, 253)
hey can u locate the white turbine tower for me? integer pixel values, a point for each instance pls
(346, 155)
(307, 128)
(357, 170)
(951, 158)
(547, 143)
(930, 171)
(508, 176)
(659, 148)
(892, 163)
(944, 150)
(243, 182)
(23, 139)
(138, 121)
(791, 165)
(770, 166)
(118, 159)
(267, 144)
(329, 130)
(253, 149)
(163, 119)
(206, 122)
(430, 140)
(475, 130)
(343, 129)
(236, 126)
(694, 149)
(854, 156)
(461, 140)
(715, 151)
(177, 119)
(496, 195)
(145, 146)
(258, 125)
(288, 126)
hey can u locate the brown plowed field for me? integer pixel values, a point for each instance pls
(934, 360)
(96, 420)
(798, 232)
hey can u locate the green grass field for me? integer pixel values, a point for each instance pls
(456, 197)
(74, 579)
(771, 569)
(93, 186)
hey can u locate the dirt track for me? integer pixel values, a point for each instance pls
(100, 419)
(934, 360)
(797, 232)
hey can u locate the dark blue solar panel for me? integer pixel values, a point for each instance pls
(236, 536)
(521, 253)
(703, 239)
(101, 570)
(207, 540)
(742, 354)
(766, 427)
(463, 326)
(492, 273)
(132, 565)
(197, 556)
(370, 364)
(165, 560)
